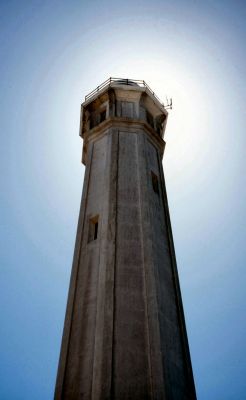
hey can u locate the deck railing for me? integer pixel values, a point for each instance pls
(129, 82)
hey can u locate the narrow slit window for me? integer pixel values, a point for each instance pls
(93, 229)
(155, 183)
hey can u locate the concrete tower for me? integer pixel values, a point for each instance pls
(124, 334)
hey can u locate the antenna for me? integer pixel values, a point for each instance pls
(169, 104)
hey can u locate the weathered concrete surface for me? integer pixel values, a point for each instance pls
(124, 334)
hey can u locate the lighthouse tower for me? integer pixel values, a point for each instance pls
(124, 333)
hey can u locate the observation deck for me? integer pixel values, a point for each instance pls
(113, 82)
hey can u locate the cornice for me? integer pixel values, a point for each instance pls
(123, 124)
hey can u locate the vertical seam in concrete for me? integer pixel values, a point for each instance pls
(178, 299)
(115, 261)
(144, 271)
(83, 210)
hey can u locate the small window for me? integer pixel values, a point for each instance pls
(93, 229)
(150, 119)
(102, 116)
(155, 183)
(159, 128)
(91, 123)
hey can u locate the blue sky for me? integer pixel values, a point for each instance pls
(52, 54)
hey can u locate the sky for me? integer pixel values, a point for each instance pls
(52, 54)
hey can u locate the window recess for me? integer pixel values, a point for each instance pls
(150, 119)
(93, 228)
(102, 115)
(155, 183)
